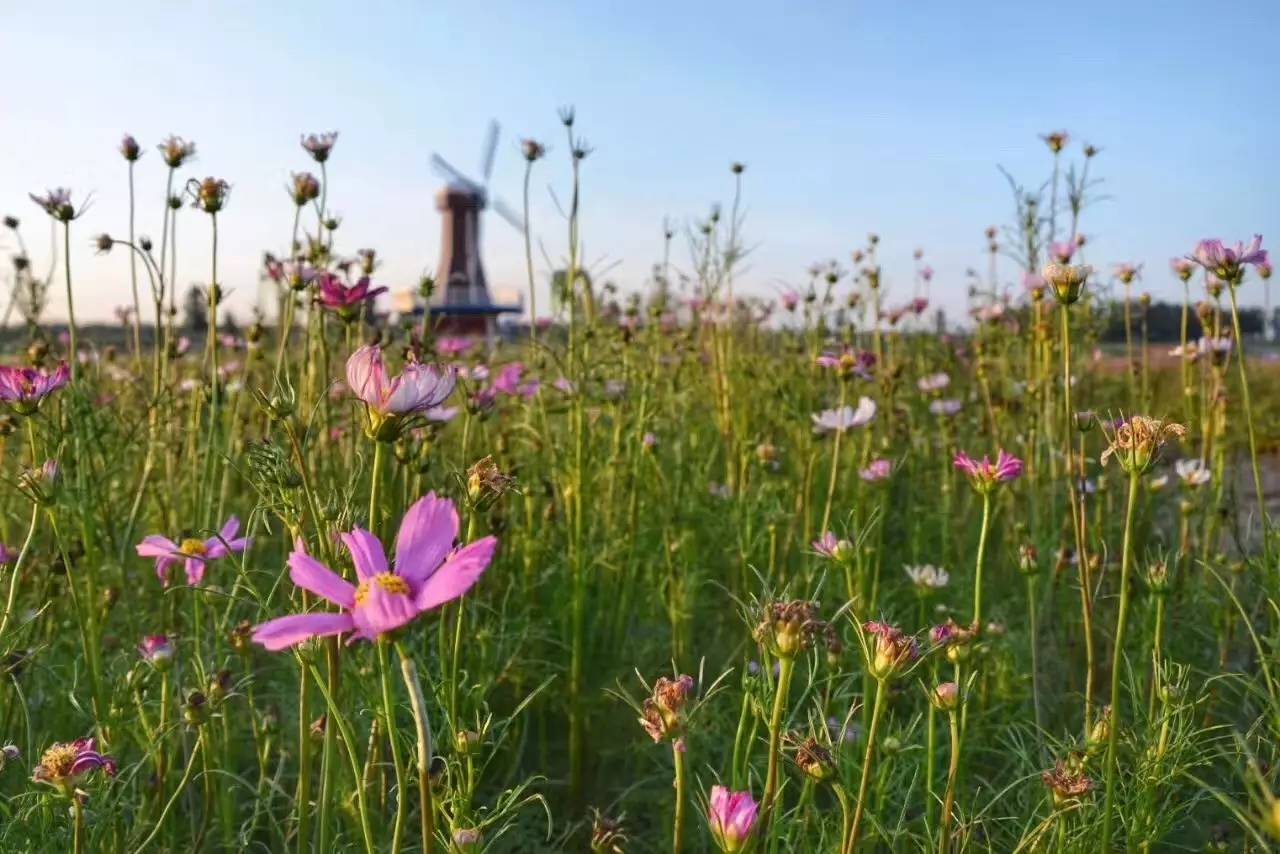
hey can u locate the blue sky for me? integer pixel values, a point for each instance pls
(852, 117)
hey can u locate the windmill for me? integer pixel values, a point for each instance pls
(462, 304)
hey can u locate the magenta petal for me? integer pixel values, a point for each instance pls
(230, 529)
(284, 632)
(382, 611)
(195, 571)
(156, 546)
(162, 568)
(313, 576)
(366, 553)
(426, 537)
(457, 574)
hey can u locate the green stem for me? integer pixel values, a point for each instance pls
(389, 717)
(785, 667)
(677, 832)
(1117, 658)
(851, 842)
(410, 673)
(953, 769)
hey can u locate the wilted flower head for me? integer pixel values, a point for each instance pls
(532, 149)
(876, 470)
(66, 764)
(814, 759)
(1136, 441)
(732, 816)
(844, 418)
(1055, 139)
(57, 204)
(305, 188)
(486, 481)
(1228, 262)
(318, 145)
(176, 151)
(927, 578)
(1067, 782)
(986, 476)
(663, 714)
(26, 388)
(786, 628)
(953, 639)
(390, 403)
(40, 483)
(1158, 577)
(193, 553)
(894, 650)
(1066, 280)
(209, 195)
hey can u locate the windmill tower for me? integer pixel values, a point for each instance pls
(462, 303)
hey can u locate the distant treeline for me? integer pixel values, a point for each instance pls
(1164, 321)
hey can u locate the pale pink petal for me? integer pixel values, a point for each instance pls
(284, 632)
(366, 553)
(457, 574)
(426, 537)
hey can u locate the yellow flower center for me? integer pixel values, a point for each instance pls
(193, 547)
(58, 759)
(388, 581)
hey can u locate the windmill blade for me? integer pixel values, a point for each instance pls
(488, 152)
(447, 171)
(505, 211)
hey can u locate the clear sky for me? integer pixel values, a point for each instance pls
(852, 117)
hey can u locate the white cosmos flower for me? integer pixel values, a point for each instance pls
(1192, 472)
(844, 418)
(927, 577)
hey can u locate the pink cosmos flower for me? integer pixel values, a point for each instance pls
(508, 381)
(7, 555)
(1182, 267)
(918, 305)
(417, 389)
(336, 295)
(65, 764)
(429, 571)
(876, 470)
(452, 347)
(26, 388)
(732, 816)
(1033, 281)
(193, 553)
(790, 299)
(848, 362)
(933, 382)
(926, 273)
(826, 545)
(1228, 262)
(156, 650)
(983, 474)
(1127, 272)
(1062, 251)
